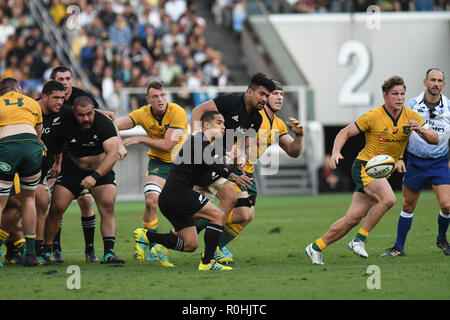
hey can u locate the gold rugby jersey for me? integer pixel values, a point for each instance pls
(17, 108)
(265, 138)
(174, 117)
(385, 135)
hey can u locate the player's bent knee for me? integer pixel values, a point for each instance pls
(190, 245)
(389, 202)
(151, 200)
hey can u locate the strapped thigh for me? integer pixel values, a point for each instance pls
(29, 183)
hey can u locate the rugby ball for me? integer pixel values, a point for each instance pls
(380, 166)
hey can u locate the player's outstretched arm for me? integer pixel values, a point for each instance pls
(197, 113)
(123, 123)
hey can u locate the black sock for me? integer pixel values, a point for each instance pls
(39, 245)
(211, 238)
(9, 247)
(57, 240)
(108, 243)
(48, 248)
(88, 224)
(169, 240)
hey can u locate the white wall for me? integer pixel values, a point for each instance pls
(406, 44)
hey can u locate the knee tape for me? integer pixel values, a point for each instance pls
(5, 188)
(29, 184)
(152, 188)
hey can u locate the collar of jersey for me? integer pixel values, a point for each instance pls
(390, 116)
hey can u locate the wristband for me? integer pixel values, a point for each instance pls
(400, 158)
(95, 175)
(298, 135)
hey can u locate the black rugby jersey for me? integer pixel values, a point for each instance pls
(51, 126)
(85, 143)
(196, 157)
(232, 107)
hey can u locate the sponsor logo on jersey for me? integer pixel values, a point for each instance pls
(4, 166)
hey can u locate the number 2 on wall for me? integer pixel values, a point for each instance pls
(348, 95)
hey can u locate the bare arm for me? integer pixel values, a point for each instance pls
(341, 138)
(427, 134)
(111, 148)
(56, 168)
(123, 123)
(38, 129)
(197, 113)
(293, 146)
(170, 140)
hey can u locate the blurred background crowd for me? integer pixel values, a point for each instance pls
(127, 43)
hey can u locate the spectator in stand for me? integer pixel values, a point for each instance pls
(120, 34)
(175, 9)
(107, 15)
(130, 16)
(238, 16)
(6, 30)
(58, 12)
(169, 71)
(332, 180)
(87, 53)
(87, 15)
(175, 36)
(136, 52)
(124, 72)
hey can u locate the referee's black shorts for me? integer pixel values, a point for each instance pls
(179, 205)
(71, 176)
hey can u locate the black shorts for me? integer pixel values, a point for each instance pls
(71, 176)
(47, 164)
(178, 206)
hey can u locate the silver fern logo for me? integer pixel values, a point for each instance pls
(5, 167)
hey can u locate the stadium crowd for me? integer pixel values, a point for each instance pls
(117, 44)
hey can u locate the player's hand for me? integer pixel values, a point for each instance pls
(130, 141)
(414, 125)
(242, 180)
(334, 160)
(88, 182)
(400, 166)
(55, 170)
(122, 152)
(295, 126)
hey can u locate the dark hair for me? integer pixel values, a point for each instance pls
(82, 101)
(8, 84)
(59, 69)
(392, 82)
(260, 79)
(155, 84)
(52, 85)
(432, 69)
(277, 85)
(209, 116)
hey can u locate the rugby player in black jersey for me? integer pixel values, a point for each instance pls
(91, 147)
(180, 204)
(64, 75)
(242, 121)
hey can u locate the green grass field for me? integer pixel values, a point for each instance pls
(269, 265)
